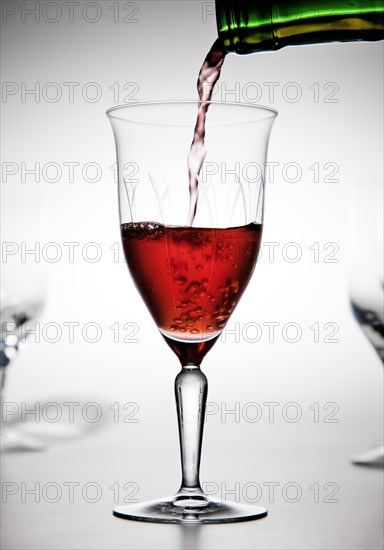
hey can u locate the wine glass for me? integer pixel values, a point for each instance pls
(191, 277)
(366, 276)
(22, 289)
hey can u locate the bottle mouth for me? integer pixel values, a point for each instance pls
(244, 28)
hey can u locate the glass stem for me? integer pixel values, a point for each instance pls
(191, 388)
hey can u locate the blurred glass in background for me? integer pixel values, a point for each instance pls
(366, 278)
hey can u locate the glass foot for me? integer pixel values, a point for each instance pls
(181, 509)
(374, 457)
(12, 440)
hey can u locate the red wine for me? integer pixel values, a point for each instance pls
(191, 279)
(208, 76)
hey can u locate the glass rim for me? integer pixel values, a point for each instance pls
(269, 112)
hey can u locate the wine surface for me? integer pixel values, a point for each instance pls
(191, 279)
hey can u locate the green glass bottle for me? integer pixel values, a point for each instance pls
(248, 26)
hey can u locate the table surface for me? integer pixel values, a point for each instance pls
(63, 497)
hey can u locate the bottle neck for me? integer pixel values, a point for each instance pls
(263, 25)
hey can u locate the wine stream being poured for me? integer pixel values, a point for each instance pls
(208, 76)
